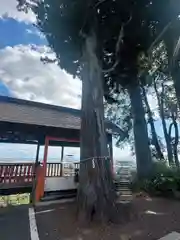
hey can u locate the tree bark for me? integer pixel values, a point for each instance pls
(153, 130)
(168, 141)
(143, 154)
(96, 193)
(176, 140)
(176, 144)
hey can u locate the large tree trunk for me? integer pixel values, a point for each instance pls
(96, 193)
(143, 154)
(153, 130)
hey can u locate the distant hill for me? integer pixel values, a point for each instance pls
(125, 163)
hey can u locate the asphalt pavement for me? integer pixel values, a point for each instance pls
(14, 223)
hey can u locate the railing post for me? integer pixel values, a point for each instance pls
(62, 156)
(45, 162)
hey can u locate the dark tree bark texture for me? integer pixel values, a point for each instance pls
(175, 139)
(153, 130)
(96, 192)
(160, 99)
(143, 154)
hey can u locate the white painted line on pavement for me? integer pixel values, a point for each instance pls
(32, 224)
(45, 211)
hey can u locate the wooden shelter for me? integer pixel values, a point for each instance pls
(28, 122)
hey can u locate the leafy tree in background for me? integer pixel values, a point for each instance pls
(119, 113)
(161, 101)
(166, 99)
(154, 139)
(172, 114)
(168, 29)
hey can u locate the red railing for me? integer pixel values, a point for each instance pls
(16, 173)
(53, 169)
(22, 173)
(61, 169)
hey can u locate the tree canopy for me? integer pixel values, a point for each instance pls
(125, 30)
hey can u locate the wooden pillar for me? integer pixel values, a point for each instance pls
(37, 153)
(62, 156)
(45, 162)
(45, 152)
(33, 193)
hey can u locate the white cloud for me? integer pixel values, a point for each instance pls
(8, 10)
(35, 32)
(27, 77)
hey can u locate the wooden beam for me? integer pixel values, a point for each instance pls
(63, 139)
(62, 156)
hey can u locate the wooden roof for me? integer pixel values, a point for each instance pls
(14, 110)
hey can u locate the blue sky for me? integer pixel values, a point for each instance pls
(14, 33)
(22, 74)
(5, 91)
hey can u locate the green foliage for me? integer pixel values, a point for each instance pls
(120, 114)
(13, 200)
(165, 181)
(66, 22)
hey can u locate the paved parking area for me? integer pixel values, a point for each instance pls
(14, 223)
(47, 219)
(157, 218)
(26, 223)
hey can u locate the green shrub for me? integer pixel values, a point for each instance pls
(164, 181)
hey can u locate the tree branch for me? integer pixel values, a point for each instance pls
(118, 44)
(100, 2)
(159, 36)
(170, 130)
(176, 50)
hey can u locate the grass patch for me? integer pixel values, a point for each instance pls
(13, 200)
